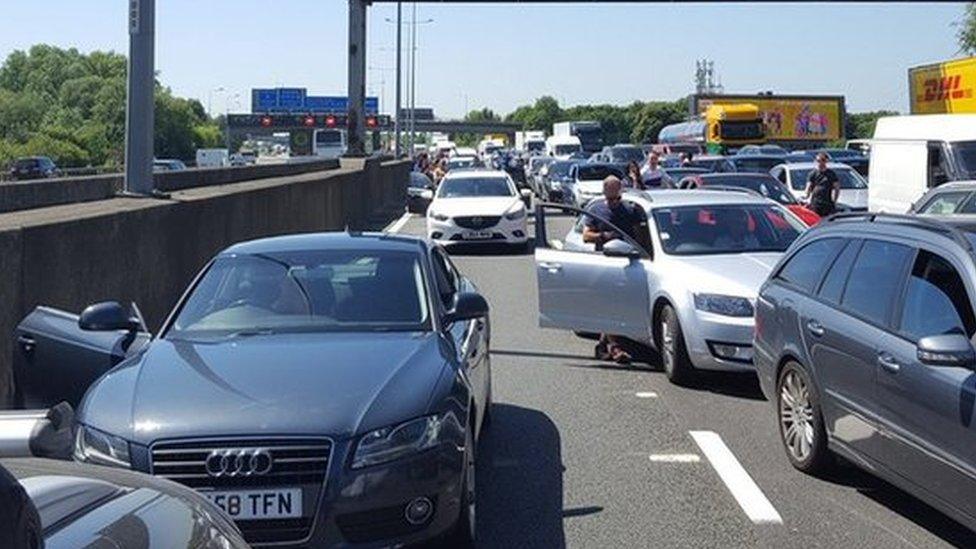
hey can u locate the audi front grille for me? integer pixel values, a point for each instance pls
(477, 221)
(301, 463)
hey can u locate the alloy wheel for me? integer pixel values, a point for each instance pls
(796, 416)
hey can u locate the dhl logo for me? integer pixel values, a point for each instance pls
(947, 87)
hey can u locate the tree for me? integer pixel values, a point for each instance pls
(651, 117)
(966, 30)
(71, 106)
(861, 125)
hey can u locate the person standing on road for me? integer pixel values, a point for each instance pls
(823, 188)
(652, 176)
(605, 220)
(634, 175)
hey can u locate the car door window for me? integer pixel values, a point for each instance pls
(805, 268)
(446, 282)
(944, 203)
(833, 284)
(875, 279)
(936, 301)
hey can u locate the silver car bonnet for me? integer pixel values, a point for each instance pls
(736, 274)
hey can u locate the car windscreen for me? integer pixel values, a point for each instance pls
(626, 154)
(26, 163)
(765, 185)
(560, 169)
(328, 137)
(419, 180)
(474, 186)
(725, 229)
(460, 163)
(306, 291)
(533, 146)
(586, 172)
(847, 177)
(965, 155)
(756, 165)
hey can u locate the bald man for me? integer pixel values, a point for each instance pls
(627, 217)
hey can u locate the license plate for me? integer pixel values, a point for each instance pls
(476, 235)
(259, 504)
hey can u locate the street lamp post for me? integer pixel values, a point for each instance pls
(399, 59)
(412, 92)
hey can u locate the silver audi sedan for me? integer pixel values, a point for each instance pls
(690, 294)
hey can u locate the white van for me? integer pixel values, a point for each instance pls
(911, 154)
(444, 147)
(329, 143)
(213, 158)
(563, 146)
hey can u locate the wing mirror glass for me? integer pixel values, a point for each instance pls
(109, 316)
(467, 306)
(946, 350)
(620, 248)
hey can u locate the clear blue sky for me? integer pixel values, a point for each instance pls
(504, 55)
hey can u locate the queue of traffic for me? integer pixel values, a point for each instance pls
(860, 330)
(858, 326)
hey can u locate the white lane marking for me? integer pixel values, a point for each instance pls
(736, 479)
(675, 458)
(646, 394)
(398, 224)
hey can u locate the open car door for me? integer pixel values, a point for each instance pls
(588, 291)
(56, 360)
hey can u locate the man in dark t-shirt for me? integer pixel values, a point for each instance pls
(629, 218)
(823, 188)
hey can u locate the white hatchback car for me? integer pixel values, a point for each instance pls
(478, 206)
(853, 186)
(691, 296)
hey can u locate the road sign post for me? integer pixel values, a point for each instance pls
(357, 77)
(139, 99)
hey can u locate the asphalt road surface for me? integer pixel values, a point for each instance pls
(584, 453)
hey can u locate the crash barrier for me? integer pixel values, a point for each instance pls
(39, 193)
(146, 250)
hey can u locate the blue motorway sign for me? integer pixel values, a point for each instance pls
(296, 100)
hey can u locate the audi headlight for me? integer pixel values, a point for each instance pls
(392, 443)
(724, 305)
(439, 216)
(518, 213)
(94, 446)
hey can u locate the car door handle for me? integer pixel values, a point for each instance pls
(551, 267)
(815, 328)
(27, 343)
(888, 362)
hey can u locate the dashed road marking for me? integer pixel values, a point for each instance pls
(398, 224)
(646, 394)
(675, 458)
(745, 491)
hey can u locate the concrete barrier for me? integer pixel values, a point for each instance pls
(40, 193)
(147, 250)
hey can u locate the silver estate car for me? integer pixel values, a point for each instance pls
(690, 295)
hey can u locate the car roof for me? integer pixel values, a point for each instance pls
(326, 241)
(734, 175)
(480, 173)
(812, 165)
(762, 156)
(954, 185)
(911, 226)
(670, 198)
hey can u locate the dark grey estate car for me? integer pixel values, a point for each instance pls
(864, 342)
(323, 389)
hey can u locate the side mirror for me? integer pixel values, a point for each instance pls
(427, 194)
(108, 316)
(468, 306)
(620, 248)
(526, 195)
(946, 350)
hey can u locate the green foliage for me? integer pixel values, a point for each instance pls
(71, 106)
(966, 30)
(861, 125)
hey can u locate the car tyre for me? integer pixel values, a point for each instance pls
(463, 534)
(674, 352)
(801, 426)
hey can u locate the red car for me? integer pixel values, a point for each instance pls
(764, 184)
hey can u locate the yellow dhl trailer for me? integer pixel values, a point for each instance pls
(943, 88)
